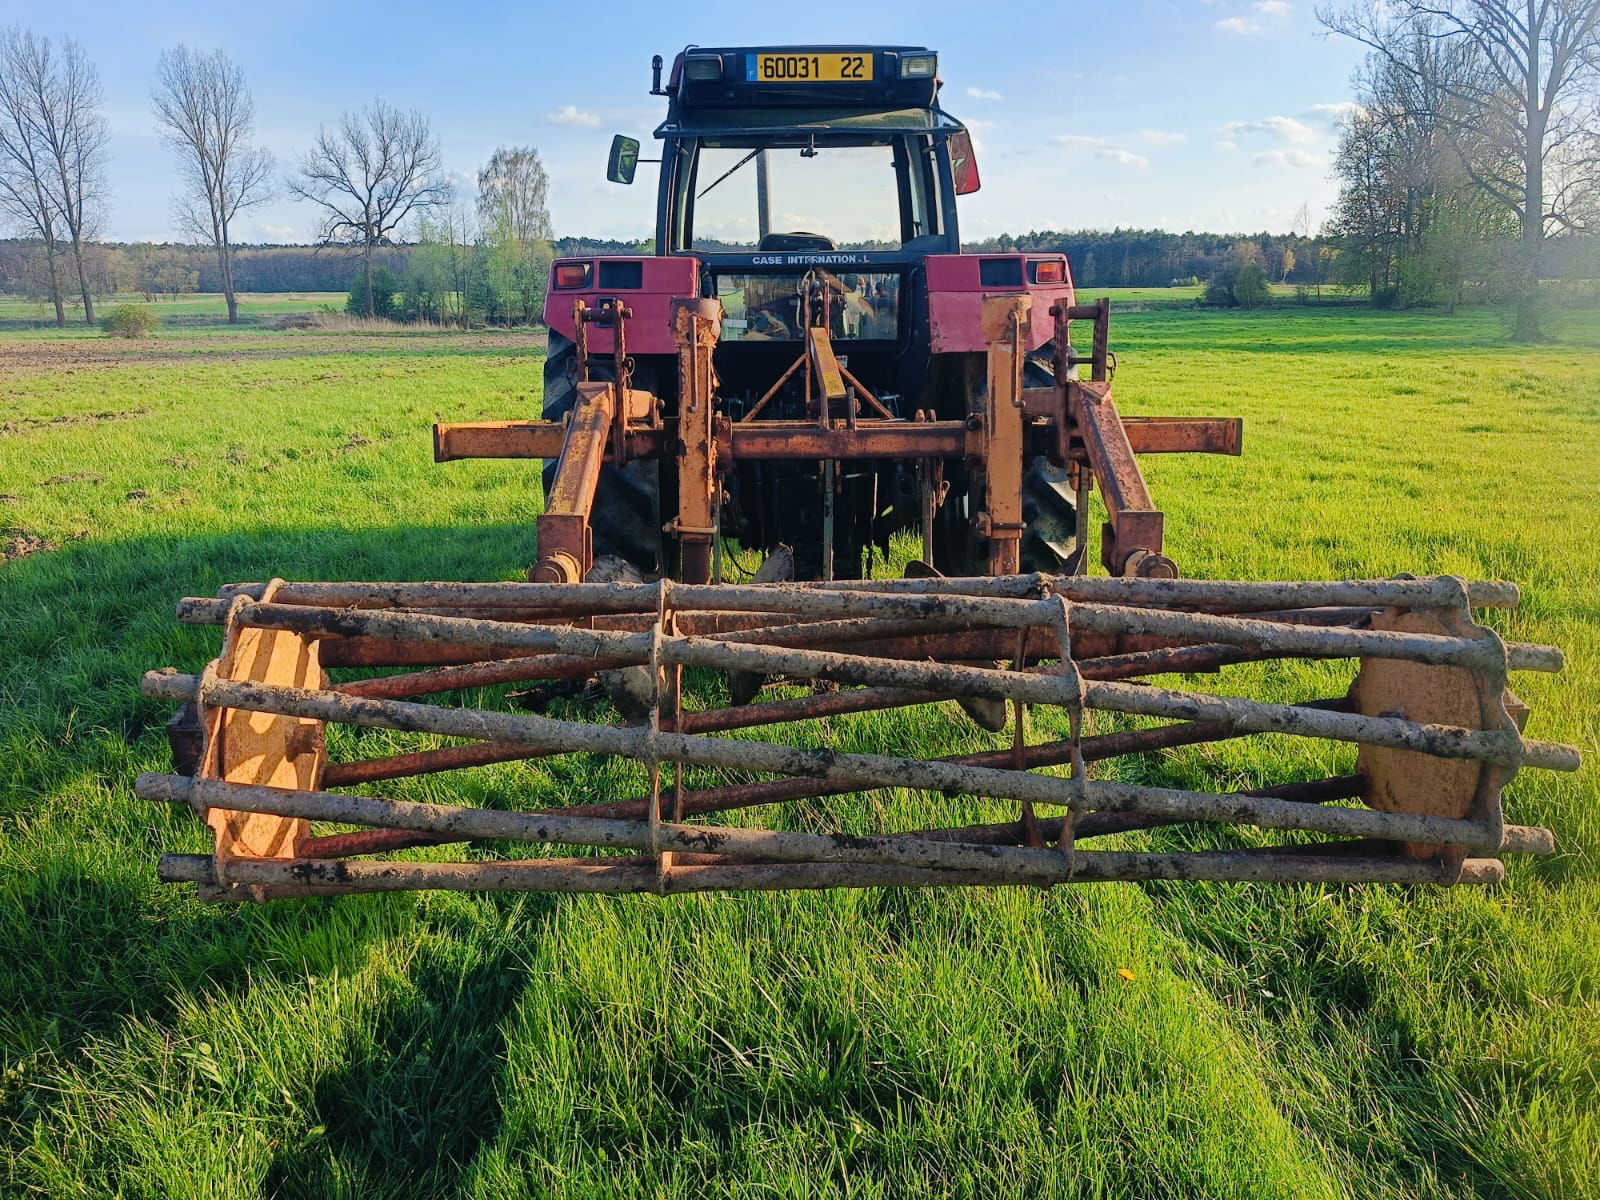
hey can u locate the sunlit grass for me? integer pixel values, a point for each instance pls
(1300, 1042)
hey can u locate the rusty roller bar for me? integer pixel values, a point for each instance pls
(859, 769)
(778, 791)
(891, 637)
(921, 644)
(1026, 864)
(1269, 636)
(311, 877)
(1210, 595)
(1503, 746)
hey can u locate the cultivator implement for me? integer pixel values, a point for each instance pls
(691, 439)
(1435, 731)
(802, 400)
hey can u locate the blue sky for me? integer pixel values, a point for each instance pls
(1180, 114)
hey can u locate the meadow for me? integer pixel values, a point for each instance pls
(1161, 1039)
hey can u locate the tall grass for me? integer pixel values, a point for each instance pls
(1294, 1042)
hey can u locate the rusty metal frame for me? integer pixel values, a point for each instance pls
(696, 325)
(1075, 423)
(1431, 786)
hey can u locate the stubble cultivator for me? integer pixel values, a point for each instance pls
(1428, 710)
(805, 400)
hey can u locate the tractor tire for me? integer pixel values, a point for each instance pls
(626, 517)
(1049, 508)
(1049, 515)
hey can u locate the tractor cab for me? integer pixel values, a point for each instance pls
(788, 171)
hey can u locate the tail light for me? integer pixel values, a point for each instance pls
(572, 275)
(1049, 270)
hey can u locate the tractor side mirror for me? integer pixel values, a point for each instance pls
(623, 160)
(963, 163)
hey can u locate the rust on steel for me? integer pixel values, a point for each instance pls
(695, 325)
(566, 549)
(1133, 533)
(1136, 627)
(1006, 321)
(996, 439)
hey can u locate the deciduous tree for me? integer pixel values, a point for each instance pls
(368, 175)
(56, 146)
(1513, 84)
(204, 112)
(514, 214)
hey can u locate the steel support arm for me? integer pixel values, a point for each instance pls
(565, 542)
(1131, 539)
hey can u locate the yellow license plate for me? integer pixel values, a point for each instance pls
(808, 68)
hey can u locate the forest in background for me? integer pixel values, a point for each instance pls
(1100, 258)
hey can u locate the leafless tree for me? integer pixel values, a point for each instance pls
(1521, 108)
(24, 166)
(368, 175)
(204, 112)
(59, 104)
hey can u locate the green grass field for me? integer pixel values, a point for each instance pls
(1340, 1042)
(191, 314)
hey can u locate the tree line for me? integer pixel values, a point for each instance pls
(1472, 156)
(1156, 258)
(372, 174)
(1474, 151)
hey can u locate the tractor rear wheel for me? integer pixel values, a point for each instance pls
(1049, 511)
(627, 502)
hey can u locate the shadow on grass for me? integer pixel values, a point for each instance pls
(88, 935)
(82, 624)
(416, 1094)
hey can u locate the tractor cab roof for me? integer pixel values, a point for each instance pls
(764, 91)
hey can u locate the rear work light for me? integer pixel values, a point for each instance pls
(703, 68)
(919, 66)
(1049, 270)
(572, 275)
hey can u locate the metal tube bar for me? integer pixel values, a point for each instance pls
(1212, 595)
(772, 712)
(1027, 864)
(861, 769)
(1271, 636)
(1503, 747)
(1047, 754)
(312, 877)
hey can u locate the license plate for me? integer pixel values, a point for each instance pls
(808, 68)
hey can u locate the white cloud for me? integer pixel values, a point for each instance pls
(1102, 149)
(1161, 137)
(1286, 159)
(571, 114)
(1285, 128)
(1275, 12)
(978, 93)
(1125, 158)
(1333, 113)
(276, 233)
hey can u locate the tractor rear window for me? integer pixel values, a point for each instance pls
(765, 308)
(846, 196)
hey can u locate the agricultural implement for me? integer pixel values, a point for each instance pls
(761, 393)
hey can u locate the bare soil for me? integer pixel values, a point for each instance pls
(68, 357)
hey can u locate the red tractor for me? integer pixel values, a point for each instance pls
(809, 360)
